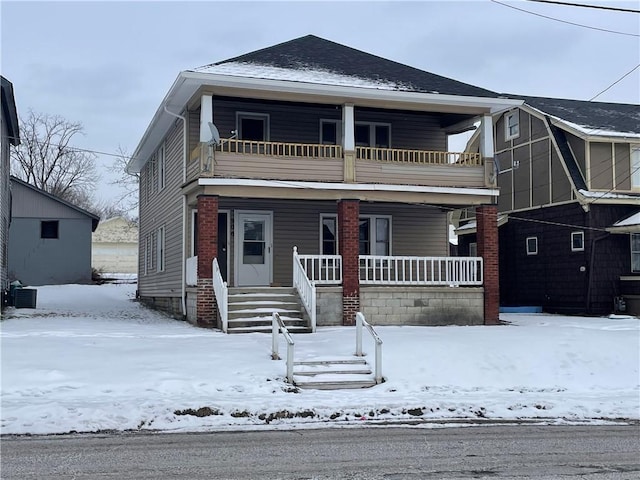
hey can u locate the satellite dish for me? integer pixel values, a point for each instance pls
(215, 135)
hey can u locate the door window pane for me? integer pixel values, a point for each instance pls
(253, 230)
(253, 246)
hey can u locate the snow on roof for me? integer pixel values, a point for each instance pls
(608, 195)
(595, 131)
(304, 73)
(629, 221)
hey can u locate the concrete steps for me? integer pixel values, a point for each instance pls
(333, 373)
(250, 309)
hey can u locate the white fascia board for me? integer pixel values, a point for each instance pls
(358, 187)
(485, 104)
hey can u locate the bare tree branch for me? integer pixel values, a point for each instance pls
(46, 159)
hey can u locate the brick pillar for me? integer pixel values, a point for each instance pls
(207, 309)
(348, 239)
(487, 237)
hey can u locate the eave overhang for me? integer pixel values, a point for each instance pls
(188, 83)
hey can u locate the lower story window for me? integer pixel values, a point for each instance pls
(374, 236)
(532, 245)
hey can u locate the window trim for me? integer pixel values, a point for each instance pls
(256, 116)
(333, 216)
(634, 166)
(508, 129)
(160, 249)
(533, 251)
(579, 234)
(338, 124)
(372, 232)
(372, 126)
(634, 252)
(194, 232)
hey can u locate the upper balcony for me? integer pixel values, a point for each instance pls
(331, 163)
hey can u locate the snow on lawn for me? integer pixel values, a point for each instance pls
(90, 358)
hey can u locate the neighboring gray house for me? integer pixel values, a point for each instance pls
(49, 238)
(9, 135)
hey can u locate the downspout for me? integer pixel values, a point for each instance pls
(591, 269)
(183, 295)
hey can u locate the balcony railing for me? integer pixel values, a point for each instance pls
(420, 157)
(280, 149)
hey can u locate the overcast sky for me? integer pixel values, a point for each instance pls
(108, 64)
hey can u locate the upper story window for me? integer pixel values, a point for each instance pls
(577, 241)
(369, 134)
(160, 248)
(512, 125)
(532, 245)
(330, 133)
(160, 166)
(635, 252)
(635, 166)
(252, 126)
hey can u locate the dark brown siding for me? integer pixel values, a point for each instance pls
(525, 121)
(540, 172)
(521, 178)
(561, 188)
(538, 129)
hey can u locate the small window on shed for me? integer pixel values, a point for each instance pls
(577, 241)
(49, 229)
(532, 245)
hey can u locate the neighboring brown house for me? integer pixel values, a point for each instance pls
(569, 178)
(340, 153)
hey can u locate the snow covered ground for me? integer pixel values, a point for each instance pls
(89, 358)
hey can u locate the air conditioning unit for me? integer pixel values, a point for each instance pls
(25, 297)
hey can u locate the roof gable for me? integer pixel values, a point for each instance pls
(593, 118)
(314, 54)
(21, 183)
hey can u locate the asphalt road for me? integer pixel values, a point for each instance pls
(396, 453)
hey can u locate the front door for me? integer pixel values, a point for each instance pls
(254, 249)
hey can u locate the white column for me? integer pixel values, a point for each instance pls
(486, 137)
(348, 127)
(206, 116)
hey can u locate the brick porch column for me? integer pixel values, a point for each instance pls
(206, 307)
(348, 239)
(487, 237)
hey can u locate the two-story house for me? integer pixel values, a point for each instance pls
(569, 206)
(9, 135)
(315, 166)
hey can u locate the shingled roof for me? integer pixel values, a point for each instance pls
(317, 55)
(600, 117)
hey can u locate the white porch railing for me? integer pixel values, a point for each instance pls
(360, 323)
(277, 326)
(222, 294)
(192, 271)
(446, 271)
(305, 287)
(322, 269)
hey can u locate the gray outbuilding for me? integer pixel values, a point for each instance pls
(49, 238)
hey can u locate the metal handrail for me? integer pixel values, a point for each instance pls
(360, 322)
(277, 326)
(222, 294)
(306, 288)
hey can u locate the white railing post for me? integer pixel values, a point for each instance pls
(275, 329)
(277, 326)
(222, 293)
(306, 288)
(360, 323)
(359, 319)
